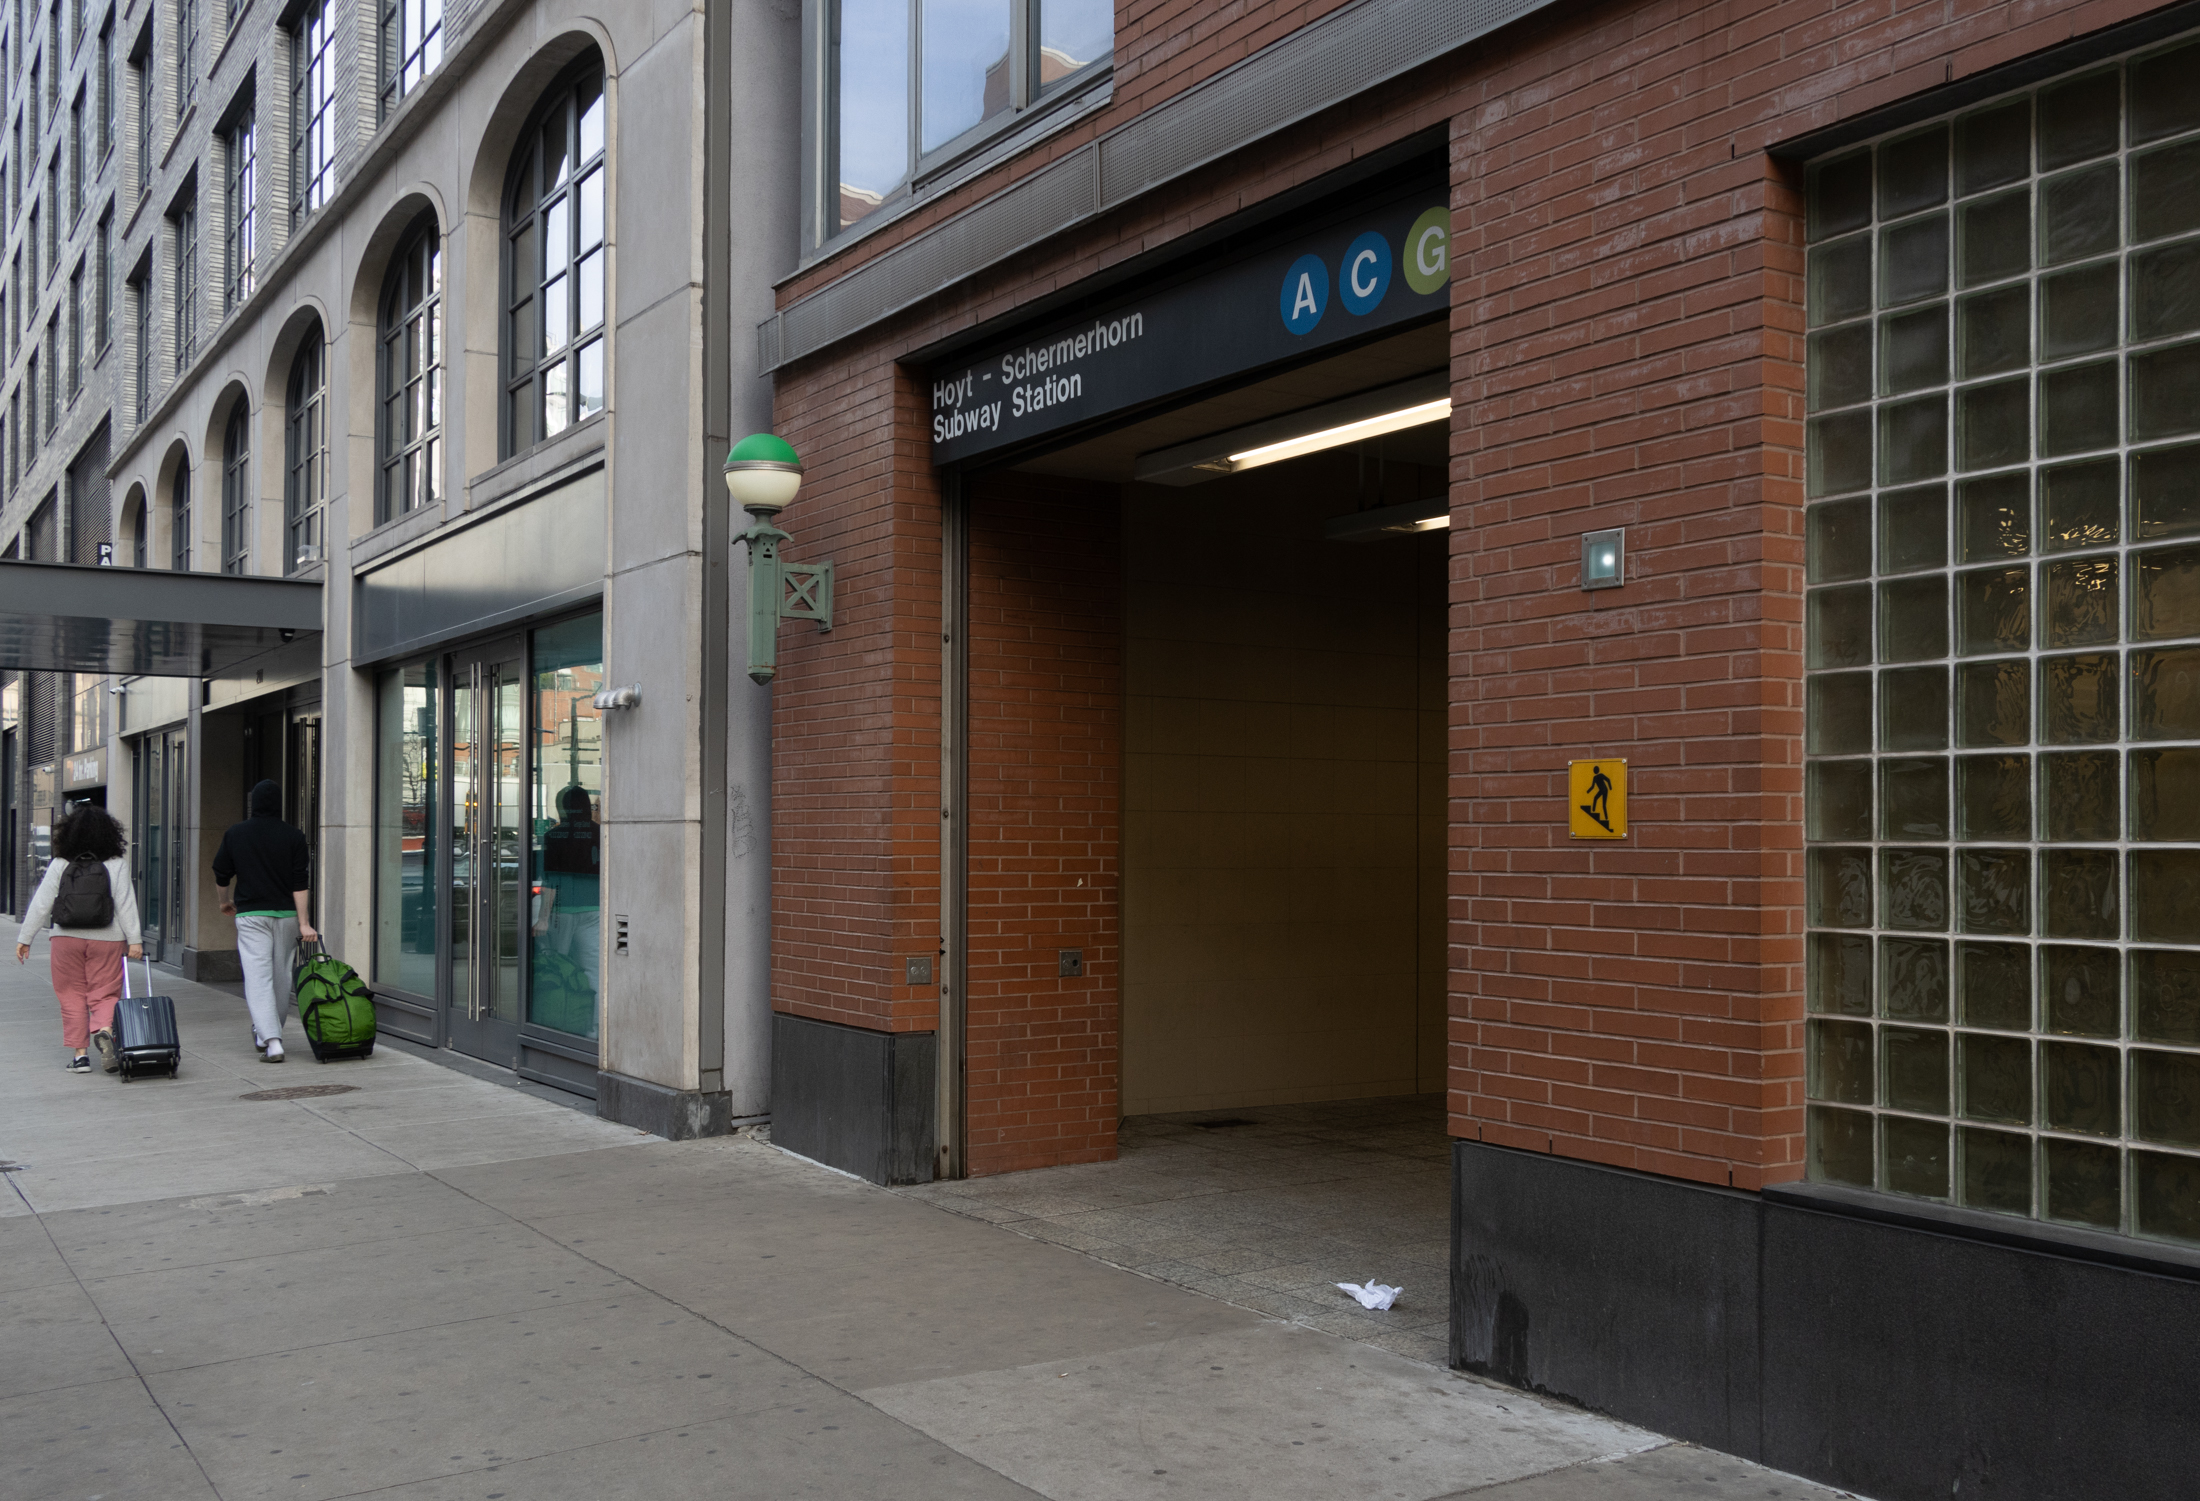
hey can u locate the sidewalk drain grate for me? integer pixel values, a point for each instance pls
(1224, 1123)
(299, 1092)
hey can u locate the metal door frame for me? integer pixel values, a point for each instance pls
(174, 797)
(490, 1040)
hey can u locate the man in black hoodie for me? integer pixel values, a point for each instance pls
(266, 858)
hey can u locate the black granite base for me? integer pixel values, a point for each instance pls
(854, 1099)
(675, 1114)
(1910, 1353)
(211, 964)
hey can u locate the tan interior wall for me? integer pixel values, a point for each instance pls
(1283, 870)
(219, 776)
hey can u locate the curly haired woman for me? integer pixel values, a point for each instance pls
(87, 958)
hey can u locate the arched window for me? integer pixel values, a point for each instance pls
(236, 495)
(305, 452)
(179, 518)
(410, 374)
(554, 263)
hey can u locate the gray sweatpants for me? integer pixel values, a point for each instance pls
(267, 947)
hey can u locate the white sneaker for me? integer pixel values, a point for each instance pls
(274, 1053)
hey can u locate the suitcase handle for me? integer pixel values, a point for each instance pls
(126, 974)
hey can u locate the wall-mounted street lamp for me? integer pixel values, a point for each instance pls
(762, 475)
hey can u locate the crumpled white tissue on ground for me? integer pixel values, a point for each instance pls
(1374, 1295)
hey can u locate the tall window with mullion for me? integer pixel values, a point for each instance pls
(184, 224)
(241, 180)
(141, 297)
(187, 55)
(411, 46)
(2002, 654)
(76, 157)
(915, 81)
(410, 375)
(75, 313)
(236, 489)
(312, 125)
(105, 85)
(554, 264)
(141, 84)
(179, 519)
(305, 452)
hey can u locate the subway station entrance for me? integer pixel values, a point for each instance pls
(1226, 619)
(1196, 694)
(1282, 730)
(1192, 716)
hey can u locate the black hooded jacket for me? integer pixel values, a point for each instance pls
(263, 855)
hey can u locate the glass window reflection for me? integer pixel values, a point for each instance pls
(912, 77)
(566, 789)
(406, 775)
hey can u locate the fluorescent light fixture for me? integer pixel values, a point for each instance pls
(1369, 414)
(1415, 516)
(1337, 437)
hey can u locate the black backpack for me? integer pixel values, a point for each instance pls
(86, 898)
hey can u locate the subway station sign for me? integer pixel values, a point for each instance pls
(1365, 270)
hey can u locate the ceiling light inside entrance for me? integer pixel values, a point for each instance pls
(1353, 419)
(1337, 437)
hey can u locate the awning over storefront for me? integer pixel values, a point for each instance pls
(69, 617)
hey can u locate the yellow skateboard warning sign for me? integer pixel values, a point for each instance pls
(1596, 798)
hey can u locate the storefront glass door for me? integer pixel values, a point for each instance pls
(489, 848)
(160, 799)
(566, 925)
(149, 840)
(488, 844)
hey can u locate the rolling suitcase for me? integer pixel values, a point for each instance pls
(146, 1041)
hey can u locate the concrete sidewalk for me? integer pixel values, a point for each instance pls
(435, 1286)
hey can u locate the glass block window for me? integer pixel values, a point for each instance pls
(2003, 655)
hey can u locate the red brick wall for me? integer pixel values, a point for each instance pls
(856, 710)
(1046, 715)
(1626, 346)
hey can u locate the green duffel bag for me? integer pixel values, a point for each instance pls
(333, 1003)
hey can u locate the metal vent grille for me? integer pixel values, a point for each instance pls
(1312, 69)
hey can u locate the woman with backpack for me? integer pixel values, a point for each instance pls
(87, 897)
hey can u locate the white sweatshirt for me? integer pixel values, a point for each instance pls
(124, 927)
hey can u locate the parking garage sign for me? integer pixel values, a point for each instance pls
(1361, 271)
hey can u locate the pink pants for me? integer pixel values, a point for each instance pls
(87, 980)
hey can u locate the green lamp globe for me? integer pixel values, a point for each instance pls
(762, 474)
